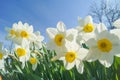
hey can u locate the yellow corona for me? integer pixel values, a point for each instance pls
(21, 52)
(88, 28)
(58, 39)
(33, 60)
(70, 56)
(104, 45)
(24, 34)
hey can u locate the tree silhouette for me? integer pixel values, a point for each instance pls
(105, 11)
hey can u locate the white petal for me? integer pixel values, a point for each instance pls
(100, 27)
(118, 55)
(72, 46)
(22, 59)
(79, 66)
(27, 57)
(91, 43)
(88, 19)
(5, 51)
(116, 50)
(15, 26)
(104, 34)
(25, 43)
(34, 67)
(117, 23)
(37, 33)
(51, 45)
(20, 24)
(112, 37)
(38, 45)
(23, 65)
(51, 32)
(69, 66)
(59, 56)
(60, 50)
(61, 27)
(1, 64)
(88, 36)
(80, 22)
(82, 53)
(106, 59)
(18, 41)
(79, 39)
(116, 32)
(41, 38)
(32, 37)
(93, 55)
(63, 59)
(30, 29)
(71, 34)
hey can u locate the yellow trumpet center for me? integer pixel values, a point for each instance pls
(33, 60)
(88, 28)
(21, 52)
(58, 39)
(70, 56)
(1, 55)
(104, 45)
(24, 34)
(12, 32)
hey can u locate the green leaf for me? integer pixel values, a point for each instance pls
(36, 77)
(18, 68)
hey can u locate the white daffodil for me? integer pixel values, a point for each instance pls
(13, 33)
(103, 47)
(37, 43)
(85, 28)
(26, 32)
(3, 55)
(19, 32)
(73, 55)
(23, 52)
(86, 25)
(34, 62)
(58, 36)
(116, 23)
(116, 32)
(100, 28)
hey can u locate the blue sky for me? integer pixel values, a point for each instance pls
(41, 13)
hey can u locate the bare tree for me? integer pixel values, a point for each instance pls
(105, 11)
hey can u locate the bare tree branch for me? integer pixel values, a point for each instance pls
(105, 12)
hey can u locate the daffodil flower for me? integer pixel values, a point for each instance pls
(117, 23)
(37, 43)
(85, 29)
(58, 36)
(34, 62)
(3, 55)
(103, 47)
(19, 32)
(23, 52)
(73, 55)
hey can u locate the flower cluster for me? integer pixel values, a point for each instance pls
(26, 43)
(102, 44)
